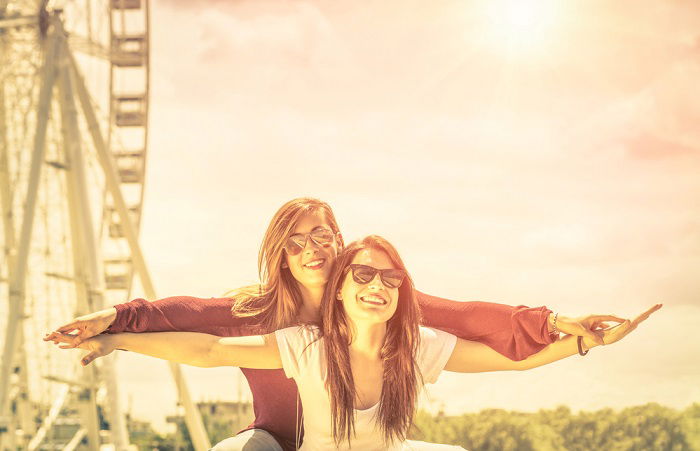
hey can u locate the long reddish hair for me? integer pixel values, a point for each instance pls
(400, 385)
(276, 300)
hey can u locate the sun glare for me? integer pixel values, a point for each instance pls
(520, 27)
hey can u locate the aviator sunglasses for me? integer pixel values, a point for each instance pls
(391, 278)
(297, 242)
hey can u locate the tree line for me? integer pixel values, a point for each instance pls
(647, 427)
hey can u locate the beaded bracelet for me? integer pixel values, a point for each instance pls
(555, 331)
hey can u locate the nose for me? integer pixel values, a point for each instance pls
(376, 283)
(310, 246)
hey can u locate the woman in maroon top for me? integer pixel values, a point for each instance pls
(295, 260)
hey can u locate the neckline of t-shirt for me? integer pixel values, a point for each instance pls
(368, 408)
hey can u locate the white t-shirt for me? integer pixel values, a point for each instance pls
(304, 360)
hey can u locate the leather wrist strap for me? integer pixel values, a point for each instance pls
(579, 341)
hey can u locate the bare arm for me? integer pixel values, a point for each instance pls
(473, 357)
(191, 348)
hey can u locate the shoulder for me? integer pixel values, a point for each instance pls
(300, 349)
(434, 344)
(434, 351)
(298, 336)
(430, 334)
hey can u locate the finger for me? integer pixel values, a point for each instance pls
(619, 331)
(71, 341)
(89, 358)
(53, 336)
(69, 327)
(647, 314)
(617, 319)
(61, 337)
(597, 338)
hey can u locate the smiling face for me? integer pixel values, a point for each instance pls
(373, 301)
(312, 266)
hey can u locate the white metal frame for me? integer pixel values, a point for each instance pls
(60, 71)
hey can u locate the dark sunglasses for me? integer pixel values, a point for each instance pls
(297, 242)
(391, 278)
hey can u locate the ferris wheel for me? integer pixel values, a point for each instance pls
(74, 90)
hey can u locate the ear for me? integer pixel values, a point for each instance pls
(338, 296)
(284, 265)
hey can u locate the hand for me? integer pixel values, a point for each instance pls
(98, 346)
(619, 332)
(87, 326)
(585, 326)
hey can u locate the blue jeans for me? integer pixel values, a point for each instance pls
(250, 440)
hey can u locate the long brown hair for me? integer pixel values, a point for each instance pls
(400, 385)
(276, 300)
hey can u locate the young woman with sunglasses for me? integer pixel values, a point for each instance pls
(360, 372)
(295, 259)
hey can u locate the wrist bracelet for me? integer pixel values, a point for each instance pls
(555, 331)
(579, 341)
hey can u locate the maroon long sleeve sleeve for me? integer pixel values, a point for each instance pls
(181, 313)
(515, 332)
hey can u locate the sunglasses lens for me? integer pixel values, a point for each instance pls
(322, 236)
(363, 274)
(392, 278)
(295, 244)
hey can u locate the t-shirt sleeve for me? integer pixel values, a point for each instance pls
(433, 353)
(293, 343)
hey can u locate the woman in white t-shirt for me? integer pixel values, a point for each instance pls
(360, 371)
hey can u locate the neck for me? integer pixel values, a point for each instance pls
(311, 303)
(367, 338)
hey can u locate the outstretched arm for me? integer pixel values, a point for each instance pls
(176, 313)
(191, 348)
(472, 357)
(515, 332)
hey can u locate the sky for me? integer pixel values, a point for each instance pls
(521, 153)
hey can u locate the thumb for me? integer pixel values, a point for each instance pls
(585, 332)
(597, 338)
(70, 326)
(89, 358)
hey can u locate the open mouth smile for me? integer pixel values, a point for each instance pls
(373, 299)
(315, 264)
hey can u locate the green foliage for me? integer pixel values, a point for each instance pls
(148, 439)
(690, 424)
(648, 427)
